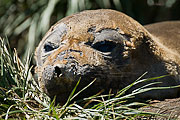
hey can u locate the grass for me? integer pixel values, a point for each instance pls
(21, 97)
(25, 22)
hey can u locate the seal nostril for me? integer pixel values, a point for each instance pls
(58, 71)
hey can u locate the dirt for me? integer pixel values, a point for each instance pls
(169, 109)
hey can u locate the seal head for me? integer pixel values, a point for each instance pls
(95, 44)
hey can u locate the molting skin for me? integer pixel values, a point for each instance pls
(106, 45)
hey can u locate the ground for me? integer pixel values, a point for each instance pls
(170, 108)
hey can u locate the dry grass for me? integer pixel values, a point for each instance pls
(21, 97)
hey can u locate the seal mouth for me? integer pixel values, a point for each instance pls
(62, 76)
(56, 80)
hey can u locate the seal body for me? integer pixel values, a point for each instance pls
(105, 45)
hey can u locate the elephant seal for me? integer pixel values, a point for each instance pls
(111, 47)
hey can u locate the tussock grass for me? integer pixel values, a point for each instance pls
(21, 97)
(27, 21)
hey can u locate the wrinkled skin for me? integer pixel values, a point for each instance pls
(106, 45)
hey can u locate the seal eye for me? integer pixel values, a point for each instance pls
(49, 47)
(104, 46)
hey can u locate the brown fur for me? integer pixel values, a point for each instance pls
(168, 34)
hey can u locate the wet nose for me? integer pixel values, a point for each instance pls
(58, 71)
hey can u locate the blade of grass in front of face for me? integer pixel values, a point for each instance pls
(121, 92)
(140, 81)
(72, 93)
(82, 90)
(146, 86)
